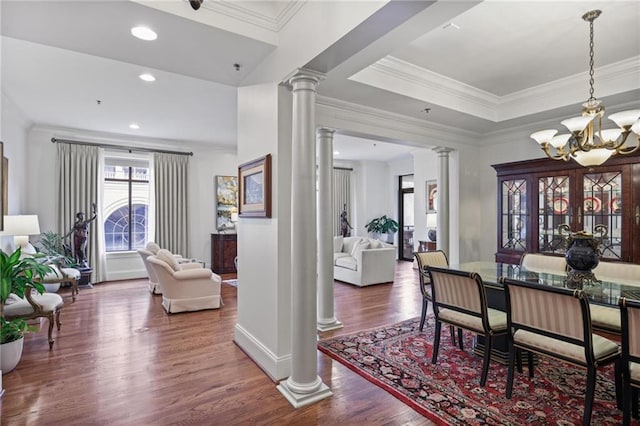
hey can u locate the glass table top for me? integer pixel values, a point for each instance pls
(606, 293)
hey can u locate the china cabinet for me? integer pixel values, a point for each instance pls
(536, 196)
(224, 249)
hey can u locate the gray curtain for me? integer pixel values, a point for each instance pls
(341, 197)
(172, 221)
(79, 187)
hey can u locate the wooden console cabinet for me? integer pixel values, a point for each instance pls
(224, 249)
(536, 196)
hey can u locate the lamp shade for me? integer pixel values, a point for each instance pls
(20, 225)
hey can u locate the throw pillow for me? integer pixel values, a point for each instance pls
(337, 244)
(167, 256)
(153, 247)
(359, 246)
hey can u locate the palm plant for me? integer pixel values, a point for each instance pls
(53, 246)
(18, 275)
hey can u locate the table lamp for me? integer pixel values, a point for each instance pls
(21, 226)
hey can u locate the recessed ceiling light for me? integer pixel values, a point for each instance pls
(147, 77)
(144, 33)
(336, 152)
(451, 25)
(134, 126)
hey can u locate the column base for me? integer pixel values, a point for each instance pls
(301, 399)
(333, 325)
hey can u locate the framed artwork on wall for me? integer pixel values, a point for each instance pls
(431, 195)
(254, 184)
(227, 203)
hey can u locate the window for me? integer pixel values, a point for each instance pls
(126, 196)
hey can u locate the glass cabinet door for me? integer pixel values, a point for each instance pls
(515, 217)
(554, 209)
(602, 205)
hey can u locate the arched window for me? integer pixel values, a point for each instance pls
(126, 232)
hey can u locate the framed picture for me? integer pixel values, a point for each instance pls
(254, 184)
(431, 195)
(227, 202)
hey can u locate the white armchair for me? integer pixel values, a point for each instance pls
(154, 285)
(363, 261)
(185, 287)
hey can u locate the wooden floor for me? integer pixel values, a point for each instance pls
(121, 360)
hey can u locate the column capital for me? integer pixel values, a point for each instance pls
(325, 131)
(443, 150)
(304, 75)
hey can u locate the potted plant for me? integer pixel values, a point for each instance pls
(17, 275)
(52, 245)
(383, 225)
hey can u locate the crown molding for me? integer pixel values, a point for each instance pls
(402, 77)
(238, 11)
(331, 109)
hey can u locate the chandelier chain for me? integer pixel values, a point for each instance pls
(591, 72)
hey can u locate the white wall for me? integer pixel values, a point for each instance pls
(263, 329)
(206, 163)
(14, 129)
(425, 167)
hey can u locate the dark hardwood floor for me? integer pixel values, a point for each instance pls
(121, 360)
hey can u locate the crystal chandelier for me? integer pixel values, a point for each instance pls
(581, 143)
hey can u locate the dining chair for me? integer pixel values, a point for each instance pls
(459, 299)
(424, 259)
(630, 318)
(555, 322)
(536, 262)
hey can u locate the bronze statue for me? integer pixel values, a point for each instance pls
(80, 233)
(345, 227)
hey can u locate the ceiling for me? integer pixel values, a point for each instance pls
(478, 66)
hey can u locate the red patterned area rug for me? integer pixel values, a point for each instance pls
(398, 359)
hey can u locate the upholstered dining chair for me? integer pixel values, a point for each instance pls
(459, 299)
(630, 318)
(424, 259)
(555, 322)
(537, 262)
(34, 305)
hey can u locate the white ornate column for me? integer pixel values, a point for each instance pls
(443, 234)
(303, 386)
(326, 315)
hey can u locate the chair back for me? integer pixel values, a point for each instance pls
(554, 312)
(144, 254)
(630, 316)
(536, 262)
(617, 271)
(459, 291)
(429, 258)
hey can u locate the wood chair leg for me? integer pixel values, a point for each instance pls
(589, 396)
(50, 334)
(512, 355)
(58, 322)
(460, 339)
(436, 342)
(530, 363)
(486, 359)
(627, 396)
(423, 316)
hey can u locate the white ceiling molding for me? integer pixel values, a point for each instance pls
(350, 117)
(402, 77)
(238, 10)
(611, 79)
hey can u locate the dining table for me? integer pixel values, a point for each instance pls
(606, 292)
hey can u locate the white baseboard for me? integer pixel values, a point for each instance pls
(277, 368)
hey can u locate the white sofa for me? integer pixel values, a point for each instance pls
(363, 261)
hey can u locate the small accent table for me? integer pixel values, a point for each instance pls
(426, 245)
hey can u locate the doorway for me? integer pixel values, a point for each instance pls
(406, 216)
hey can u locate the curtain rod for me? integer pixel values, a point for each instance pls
(124, 148)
